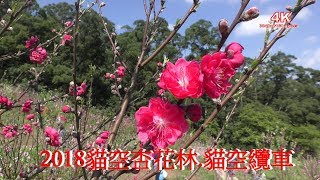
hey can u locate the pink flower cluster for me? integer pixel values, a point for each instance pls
(32, 42)
(27, 128)
(5, 102)
(81, 90)
(102, 139)
(10, 131)
(26, 106)
(120, 72)
(68, 23)
(37, 54)
(163, 123)
(190, 79)
(52, 136)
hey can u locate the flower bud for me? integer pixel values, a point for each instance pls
(66, 109)
(194, 112)
(250, 14)
(30, 117)
(102, 4)
(289, 8)
(10, 28)
(107, 75)
(223, 26)
(9, 11)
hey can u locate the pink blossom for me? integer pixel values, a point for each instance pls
(66, 109)
(32, 42)
(10, 131)
(112, 76)
(27, 128)
(26, 107)
(9, 104)
(120, 71)
(107, 75)
(38, 55)
(159, 64)
(217, 73)
(183, 79)
(3, 100)
(53, 138)
(80, 90)
(194, 112)
(234, 54)
(62, 118)
(6, 102)
(105, 135)
(30, 117)
(102, 139)
(161, 122)
(66, 40)
(68, 23)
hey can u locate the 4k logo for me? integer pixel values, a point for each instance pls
(281, 17)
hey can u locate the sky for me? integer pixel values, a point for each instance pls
(303, 42)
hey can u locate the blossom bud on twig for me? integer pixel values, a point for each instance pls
(250, 14)
(102, 4)
(289, 8)
(9, 11)
(223, 27)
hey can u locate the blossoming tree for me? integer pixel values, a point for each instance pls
(160, 123)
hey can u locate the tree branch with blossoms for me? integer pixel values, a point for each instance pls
(141, 62)
(215, 57)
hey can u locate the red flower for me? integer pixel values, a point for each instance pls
(107, 75)
(32, 42)
(66, 40)
(102, 139)
(10, 131)
(217, 73)
(120, 71)
(6, 102)
(27, 128)
(53, 138)
(68, 23)
(9, 104)
(194, 112)
(38, 55)
(3, 100)
(26, 107)
(161, 122)
(66, 109)
(233, 53)
(30, 117)
(184, 79)
(81, 90)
